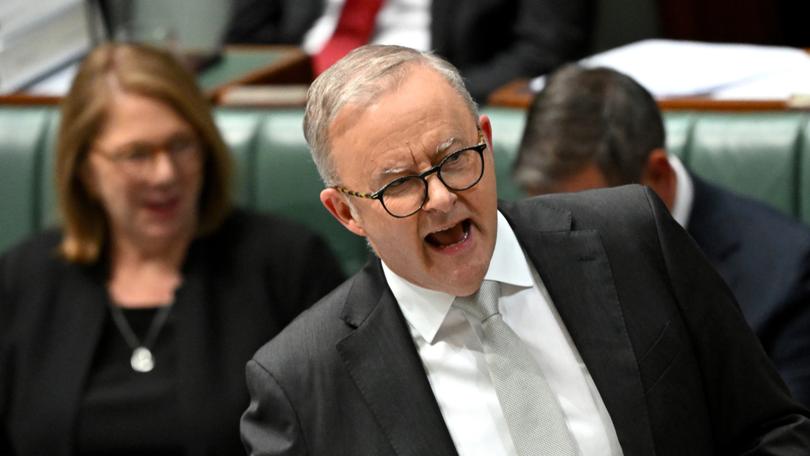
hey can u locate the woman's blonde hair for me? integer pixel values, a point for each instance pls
(145, 71)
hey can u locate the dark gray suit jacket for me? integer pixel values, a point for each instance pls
(669, 351)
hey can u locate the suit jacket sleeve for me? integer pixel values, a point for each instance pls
(270, 425)
(751, 410)
(544, 35)
(790, 344)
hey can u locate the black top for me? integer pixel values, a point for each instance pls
(241, 285)
(125, 412)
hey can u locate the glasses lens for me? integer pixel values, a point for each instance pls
(182, 147)
(404, 196)
(462, 169)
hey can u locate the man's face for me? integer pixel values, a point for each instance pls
(447, 245)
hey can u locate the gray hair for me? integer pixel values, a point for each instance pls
(360, 78)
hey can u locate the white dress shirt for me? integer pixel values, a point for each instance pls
(684, 192)
(458, 373)
(402, 22)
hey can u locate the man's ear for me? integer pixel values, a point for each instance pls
(486, 127)
(659, 176)
(335, 202)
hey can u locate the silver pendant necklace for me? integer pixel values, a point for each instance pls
(142, 359)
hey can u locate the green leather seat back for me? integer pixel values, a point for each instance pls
(507, 132)
(240, 130)
(22, 137)
(678, 126)
(287, 183)
(764, 155)
(753, 154)
(48, 214)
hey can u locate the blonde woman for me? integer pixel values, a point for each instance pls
(126, 330)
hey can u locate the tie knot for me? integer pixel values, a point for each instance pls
(483, 303)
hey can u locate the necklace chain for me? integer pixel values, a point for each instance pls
(142, 359)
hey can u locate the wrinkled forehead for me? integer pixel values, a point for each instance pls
(413, 123)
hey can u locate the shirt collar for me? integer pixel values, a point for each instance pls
(425, 310)
(684, 192)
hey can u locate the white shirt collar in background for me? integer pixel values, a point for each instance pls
(684, 192)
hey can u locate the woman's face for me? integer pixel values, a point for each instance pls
(145, 168)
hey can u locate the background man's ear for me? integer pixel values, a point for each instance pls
(335, 202)
(659, 175)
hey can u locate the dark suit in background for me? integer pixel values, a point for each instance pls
(765, 259)
(241, 285)
(492, 42)
(671, 355)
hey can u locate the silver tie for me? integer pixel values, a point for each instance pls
(534, 418)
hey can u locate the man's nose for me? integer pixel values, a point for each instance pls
(439, 197)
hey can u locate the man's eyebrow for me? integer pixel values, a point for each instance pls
(442, 148)
(393, 170)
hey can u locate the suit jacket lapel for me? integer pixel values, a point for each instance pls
(381, 358)
(574, 268)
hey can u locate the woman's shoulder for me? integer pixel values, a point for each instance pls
(33, 265)
(35, 251)
(267, 241)
(251, 227)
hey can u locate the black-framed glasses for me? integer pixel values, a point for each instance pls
(406, 195)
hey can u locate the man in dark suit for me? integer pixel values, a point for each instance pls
(593, 128)
(492, 42)
(610, 333)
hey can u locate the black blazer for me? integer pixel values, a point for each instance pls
(492, 42)
(241, 285)
(765, 258)
(671, 355)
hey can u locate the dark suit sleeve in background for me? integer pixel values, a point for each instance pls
(790, 348)
(751, 410)
(271, 21)
(494, 42)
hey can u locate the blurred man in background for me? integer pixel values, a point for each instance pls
(592, 128)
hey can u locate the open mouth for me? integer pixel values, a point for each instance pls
(449, 237)
(162, 206)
